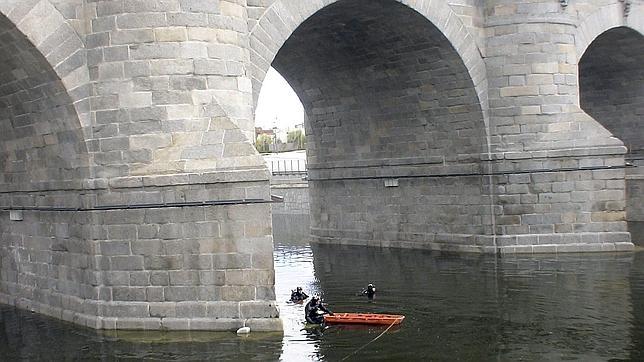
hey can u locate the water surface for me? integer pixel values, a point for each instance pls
(459, 307)
(586, 307)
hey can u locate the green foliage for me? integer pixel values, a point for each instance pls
(262, 143)
(297, 137)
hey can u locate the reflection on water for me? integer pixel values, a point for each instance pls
(458, 307)
(637, 300)
(31, 337)
(482, 308)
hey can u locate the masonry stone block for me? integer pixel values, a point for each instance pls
(163, 262)
(163, 310)
(217, 277)
(252, 309)
(139, 278)
(175, 323)
(129, 294)
(121, 309)
(126, 262)
(184, 277)
(191, 310)
(237, 293)
(110, 248)
(147, 247)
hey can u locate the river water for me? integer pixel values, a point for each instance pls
(458, 307)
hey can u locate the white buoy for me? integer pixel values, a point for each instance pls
(243, 330)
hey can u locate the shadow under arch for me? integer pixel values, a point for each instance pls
(387, 96)
(43, 145)
(611, 74)
(280, 20)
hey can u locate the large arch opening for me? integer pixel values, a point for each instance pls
(611, 81)
(395, 129)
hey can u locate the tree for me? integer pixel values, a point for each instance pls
(297, 137)
(262, 143)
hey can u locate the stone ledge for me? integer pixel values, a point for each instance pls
(433, 246)
(472, 158)
(588, 151)
(563, 19)
(602, 242)
(556, 153)
(248, 191)
(496, 167)
(133, 309)
(582, 238)
(206, 178)
(100, 184)
(406, 161)
(568, 248)
(53, 186)
(477, 240)
(303, 185)
(270, 324)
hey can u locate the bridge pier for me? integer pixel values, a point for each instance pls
(563, 186)
(169, 226)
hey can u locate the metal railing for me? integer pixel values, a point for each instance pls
(288, 167)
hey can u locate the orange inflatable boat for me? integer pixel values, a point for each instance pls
(363, 318)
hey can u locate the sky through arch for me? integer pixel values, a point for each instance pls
(278, 105)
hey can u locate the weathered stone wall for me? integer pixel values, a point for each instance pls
(446, 213)
(173, 98)
(47, 264)
(171, 91)
(291, 218)
(295, 192)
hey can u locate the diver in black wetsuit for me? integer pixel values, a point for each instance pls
(370, 291)
(298, 295)
(314, 311)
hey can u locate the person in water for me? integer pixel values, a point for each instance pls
(314, 311)
(370, 291)
(298, 295)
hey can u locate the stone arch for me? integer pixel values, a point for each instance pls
(388, 96)
(611, 73)
(45, 98)
(610, 78)
(604, 19)
(282, 17)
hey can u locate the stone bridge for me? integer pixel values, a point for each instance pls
(131, 196)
